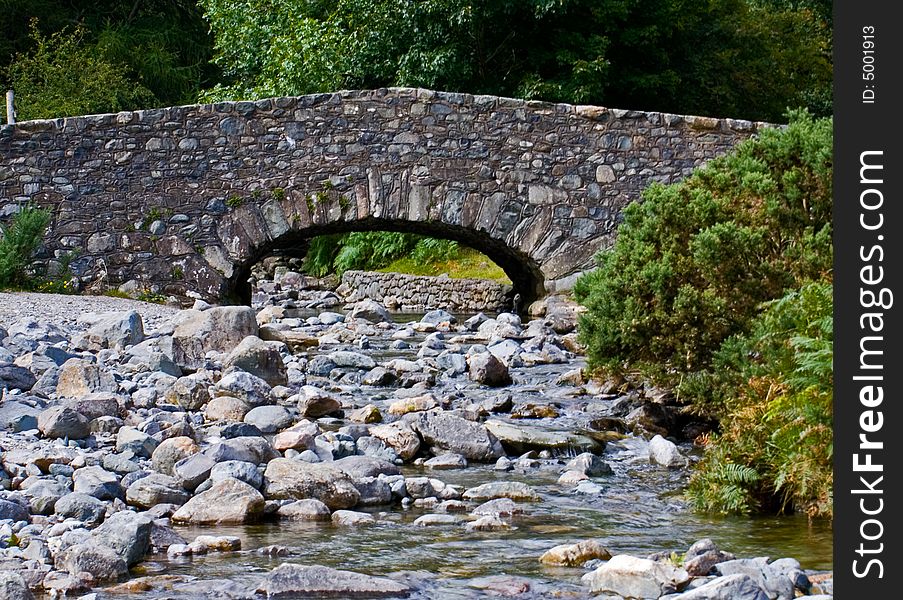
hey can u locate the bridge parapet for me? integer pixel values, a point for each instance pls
(183, 200)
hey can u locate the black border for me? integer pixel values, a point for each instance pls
(862, 127)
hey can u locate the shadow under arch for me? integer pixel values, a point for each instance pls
(525, 275)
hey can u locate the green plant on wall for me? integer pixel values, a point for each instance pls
(278, 194)
(234, 201)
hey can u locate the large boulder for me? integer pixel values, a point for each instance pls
(315, 403)
(114, 330)
(634, 577)
(63, 422)
(249, 388)
(259, 358)
(301, 581)
(96, 405)
(127, 534)
(79, 377)
(227, 501)
(738, 586)
(371, 311)
(155, 489)
(171, 451)
(286, 479)
(247, 448)
(14, 377)
(189, 392)
(13, 511)
(97, 482)
(485, 368)
(514, 490)
(400, 437)
(101, 562)
(83, 507)
(13, 585)
(446, 432)
(219, 328)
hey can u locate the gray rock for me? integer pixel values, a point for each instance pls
(633, 577)
(172, 450)
(219, 329)
(236, 469)
(485, 368)
(12, 511)
(97, 482)
(446, 462)
(320, 366)
(366, 466)
(136, 442)
(13, 377)
(101, 562)
(193, 470)
(351, 518)
(79, 377)
(729, 587)
(371, 311)
(373, 491)
(452, 362)
(227, 501)
(438, 316)
(498, 507)
(309, 509)
(42, 497)
(773, 581)
(666, 453)
(63, 422)
(450, 433)
(589, 464)
(259, 358)
(315, 403)
(155, 489)
(13, 586)
(96, 405)
(379, 376)
(127, 534)
(514, 490)
(354, 360)
(116, 330)
(294, 581)
(252, 390)
(83, 507)
(189, 392)
(250, 449)
(269, 419)
(293, 480)
(120, 463)
(39, 331)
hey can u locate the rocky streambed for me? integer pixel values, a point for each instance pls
(305, 449)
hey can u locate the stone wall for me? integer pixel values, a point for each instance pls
(413, 293)
(184, 200)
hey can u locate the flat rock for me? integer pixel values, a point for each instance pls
(227, 501)
(295, 480)
(634, 577)
(451, 433)
(519, 438)
(300, 581)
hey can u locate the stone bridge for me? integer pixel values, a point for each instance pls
(185, 200)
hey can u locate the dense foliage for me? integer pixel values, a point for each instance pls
(370, 250)
(776, 447)
(88, 56)
(693, 261)
(18, 242)
(724, 57)
(720, 286)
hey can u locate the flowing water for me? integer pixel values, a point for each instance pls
(639, 510)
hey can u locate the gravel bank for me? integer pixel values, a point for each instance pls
(66, 309)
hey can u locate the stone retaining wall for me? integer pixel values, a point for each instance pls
(413, 293)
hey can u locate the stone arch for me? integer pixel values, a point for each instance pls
(525, 273)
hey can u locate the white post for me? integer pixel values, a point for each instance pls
(10, 111)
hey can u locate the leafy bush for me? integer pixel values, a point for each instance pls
(429, 250)
(776, 447)
(63, 76)
(18, 242)
(693, 261)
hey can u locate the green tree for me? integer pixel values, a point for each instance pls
(18, 242)
(61, 76)
(723, 57)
